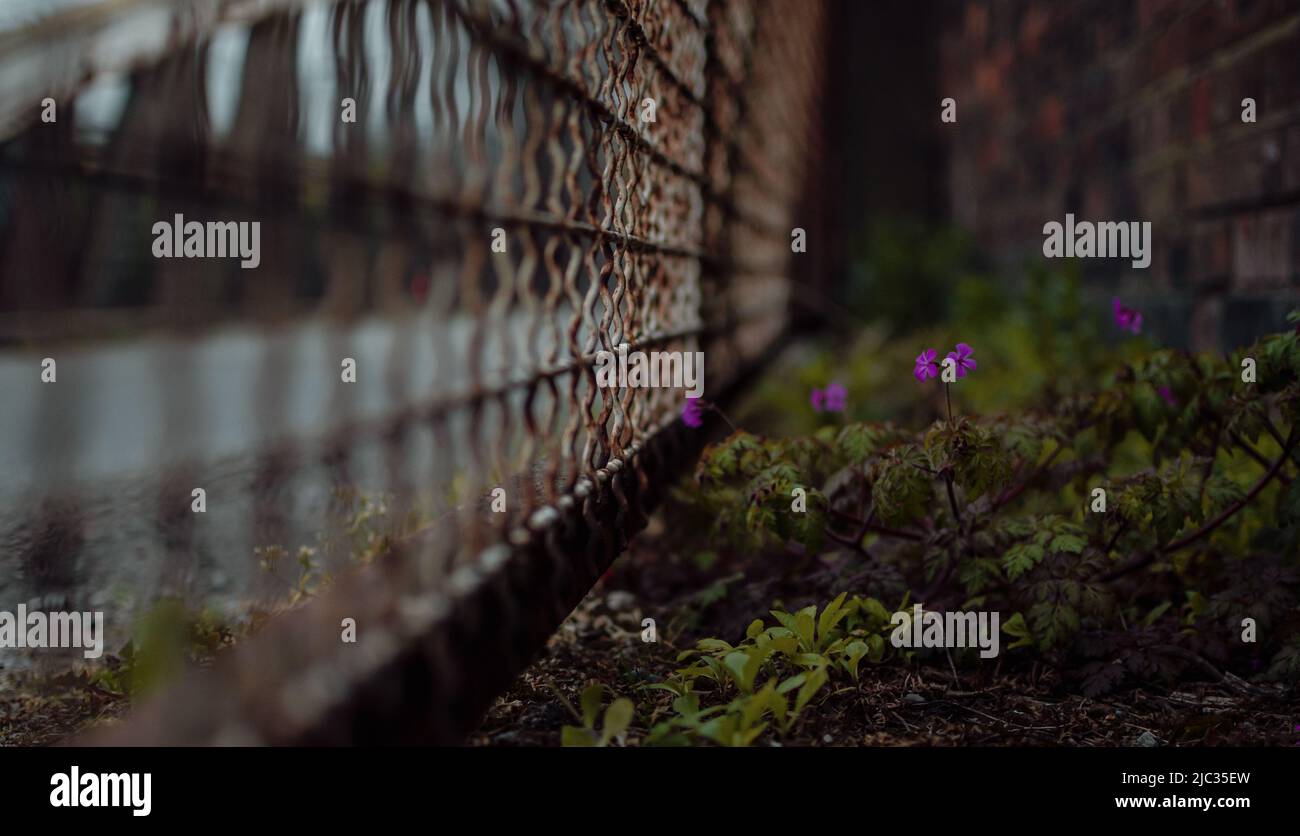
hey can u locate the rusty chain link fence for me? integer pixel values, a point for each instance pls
(525, 184)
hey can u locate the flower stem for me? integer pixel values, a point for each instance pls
(712, 407)
(947, 394)
(1241, 503)
(952, 498)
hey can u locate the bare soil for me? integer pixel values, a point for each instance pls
(893, 704)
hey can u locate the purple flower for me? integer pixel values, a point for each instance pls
(692, 416)
(926, 366)
(962, 359)
(1125, 317)
(830, 399)
(1167, 395)
(836, 397)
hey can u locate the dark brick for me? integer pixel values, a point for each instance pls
(1262, 251)
(1247, 319)
(1133, 112)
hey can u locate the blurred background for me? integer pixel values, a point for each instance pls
(673, 233)
(1110, 111)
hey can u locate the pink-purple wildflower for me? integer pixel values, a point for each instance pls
(1126, 318)
(833, 398)
(926, 365)
(962, 358)
(692, 415)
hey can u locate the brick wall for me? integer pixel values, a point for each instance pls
(1132, 111)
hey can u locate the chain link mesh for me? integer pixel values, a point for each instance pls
(477, 121)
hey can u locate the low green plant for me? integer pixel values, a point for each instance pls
(365, 529)
(171, 633)
(167, 637)
(1125, 531)
(613, 725)
(796, 657)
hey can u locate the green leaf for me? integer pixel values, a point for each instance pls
(810, 660)
(1016, 627)
(617, 718)
(591, 699)
(752, 708)
(1020, 558)
(743, 665)
(876, 613)
(744, 738)
(1069, 543)
(858, 442)
(670, 686)
(832, 615)
(901, 487)
(786, 644)
(1155, 613)
(816, 679)
(1017, 527)
(776, 703)
(853, 655)
(804, 626)
(687, 704)
(785, 619)
(793, 682)
(1054, 620)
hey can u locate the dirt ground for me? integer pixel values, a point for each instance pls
(42, 711)
(691, 598)
(892, 705)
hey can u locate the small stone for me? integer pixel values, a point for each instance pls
(618, 600)
(826, 738)
(914, 698)
(1147, 740)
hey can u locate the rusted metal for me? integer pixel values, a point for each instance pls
(472, 116)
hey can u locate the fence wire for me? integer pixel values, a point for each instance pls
(524, 185)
